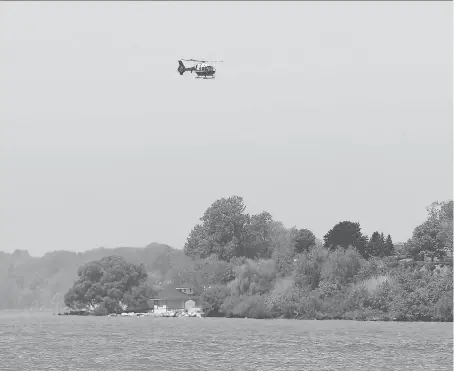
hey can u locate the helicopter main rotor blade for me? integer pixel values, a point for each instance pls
(199, 60)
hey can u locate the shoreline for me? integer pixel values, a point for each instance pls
(320, 318)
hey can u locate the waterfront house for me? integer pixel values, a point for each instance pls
(172, 297)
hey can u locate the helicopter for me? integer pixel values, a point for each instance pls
(202, 69)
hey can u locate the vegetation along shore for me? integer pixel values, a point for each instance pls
(243, 265)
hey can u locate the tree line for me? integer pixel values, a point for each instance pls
(252, 266)
(40, 283)
(265, 270)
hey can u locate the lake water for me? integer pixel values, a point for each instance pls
(41, 341)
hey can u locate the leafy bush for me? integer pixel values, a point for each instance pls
(308, 267)
(370, 268)
(442, 310)
(229, 304)
(357, 298)
(213, 298)
(308, 307)
(281, 300)
(232, 266)
(282, 242)
(328, 289)
(254, 277)
(412, 306)
(100, 310)
(252, 307)
(383, 296)
(342, 265)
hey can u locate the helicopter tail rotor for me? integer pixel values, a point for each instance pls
(181, 68)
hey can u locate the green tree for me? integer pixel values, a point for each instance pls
(258, 236)
(389, 246)
(110, 283)
(372, 245)
(227, 231)
(304, 240)
(198, 244)
(282, 246)
(137, 297)
(213, 298)
(345, 234)
(308, 267)
(442, 212)
(376, 246)
(433, 238)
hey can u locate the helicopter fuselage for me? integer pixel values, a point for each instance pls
(204, 70)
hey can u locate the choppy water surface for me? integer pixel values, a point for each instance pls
(44, 342)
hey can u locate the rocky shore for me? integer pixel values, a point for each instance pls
(172, 313)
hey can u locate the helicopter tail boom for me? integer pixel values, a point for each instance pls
(182, 69)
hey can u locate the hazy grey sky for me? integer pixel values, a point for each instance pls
(321, 112)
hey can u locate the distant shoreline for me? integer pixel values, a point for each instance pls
(145, 314)
(324, 318)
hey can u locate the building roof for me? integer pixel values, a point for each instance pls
(185, 286)
(171, 292)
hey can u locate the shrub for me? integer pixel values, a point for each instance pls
(357, 298)
(442, 310)
(252, 307)
(254, 277)
(280, 301)
(383, 296)
(308, 306)
(370, 268)
(372, 284)
(332, 307)
(414, 306)
(214, 272)
(213, 299)
(231, 267)
(328, 289)
(100, 310)
(342, 265)
(308, 267)
(229, 304)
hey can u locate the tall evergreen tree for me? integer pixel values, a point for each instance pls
(389, 246)
(382, 244)
(377, 245)
(373, 246)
